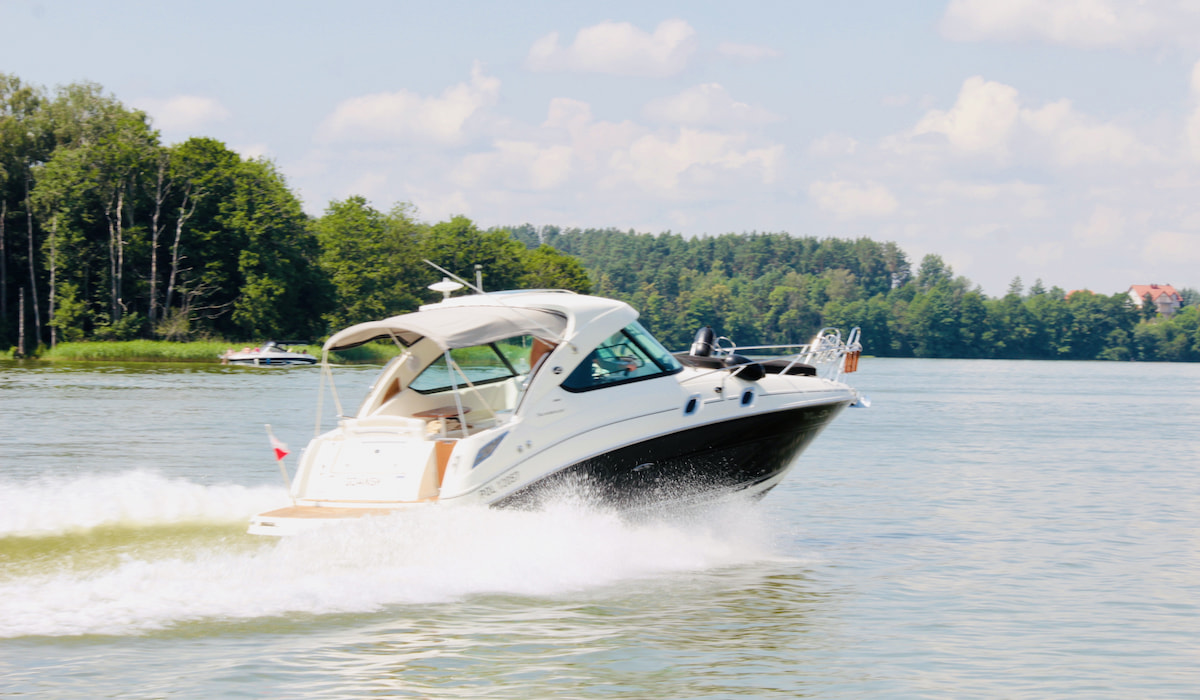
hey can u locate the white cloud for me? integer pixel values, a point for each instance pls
(832, 146)
(980, 120)
(1042, 254)
(668, 162)
(521, 164)
(618, 48)
(592, 143)
(372, 185)
(707, 105)
(571, 151)
(1171, 248)
(1075, 139)
(747, 52)
(183, 113)
(1105, 227)
(569, 114)
(1192, 129)
(1076, 23)
(996, 181)
(1035, 208)
(987, 191)
(252, 150)
(848, 200)
(988, 119)
(980, 209)
(988, 229)
(404, 115)
(660, 163)
(437, 204)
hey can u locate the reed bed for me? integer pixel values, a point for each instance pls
(194, 351)
(138, 351)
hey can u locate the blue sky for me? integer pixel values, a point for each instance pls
(1052, 139)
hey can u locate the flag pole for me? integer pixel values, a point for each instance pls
(281, 451)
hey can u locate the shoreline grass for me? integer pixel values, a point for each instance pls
(207, 351)
(136, 351)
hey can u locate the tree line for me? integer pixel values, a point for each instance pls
(765, 288)
(109, 234)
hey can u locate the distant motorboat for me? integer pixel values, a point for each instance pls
(272, 354)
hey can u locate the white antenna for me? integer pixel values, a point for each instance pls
(446, 287)
(444, 271)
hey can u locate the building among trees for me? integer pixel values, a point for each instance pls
(1164, 297)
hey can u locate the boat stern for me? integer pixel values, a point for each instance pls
(362, 468)
(293, 520)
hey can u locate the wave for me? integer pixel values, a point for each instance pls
(432, 555)
(57, 505)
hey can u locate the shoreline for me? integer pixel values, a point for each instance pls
(190, 352)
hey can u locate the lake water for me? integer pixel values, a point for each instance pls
(986, 529)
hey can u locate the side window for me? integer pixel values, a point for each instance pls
(517, 351)
(625, 356)
(481, 364)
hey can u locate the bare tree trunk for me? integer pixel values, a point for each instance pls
(21, 324)
(53, 275)
(3, 263)
(161, 188)
(112, 265)
(116, 255)
(121, 252)
(184, 214)
(37, 314)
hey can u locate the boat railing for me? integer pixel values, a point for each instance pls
(828, 352)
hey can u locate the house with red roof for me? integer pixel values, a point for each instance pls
(1164, 296)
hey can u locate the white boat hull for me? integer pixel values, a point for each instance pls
(634, 428)
(737, 450)
(270, 355)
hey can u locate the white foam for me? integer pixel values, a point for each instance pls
(429, 556)
(59, 505)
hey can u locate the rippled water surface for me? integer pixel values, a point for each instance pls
(986, 529)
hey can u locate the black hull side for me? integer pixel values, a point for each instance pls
(692, 464)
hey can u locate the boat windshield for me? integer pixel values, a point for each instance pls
(479, 364)
(628, 355)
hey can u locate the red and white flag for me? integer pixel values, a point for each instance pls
(281, 449)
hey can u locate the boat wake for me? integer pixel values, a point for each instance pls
(153, 565)
(61, 505)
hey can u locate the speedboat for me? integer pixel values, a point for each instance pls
(512, 399)
(271, 354)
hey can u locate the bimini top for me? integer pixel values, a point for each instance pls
(455, 326)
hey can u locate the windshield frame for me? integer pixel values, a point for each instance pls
(584, 378)
(462, 375)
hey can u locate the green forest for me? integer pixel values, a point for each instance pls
(774, 287)
(108, 234)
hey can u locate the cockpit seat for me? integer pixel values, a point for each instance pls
(788, 367)
(700, 361)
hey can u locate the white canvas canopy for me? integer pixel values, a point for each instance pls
(455, 327)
